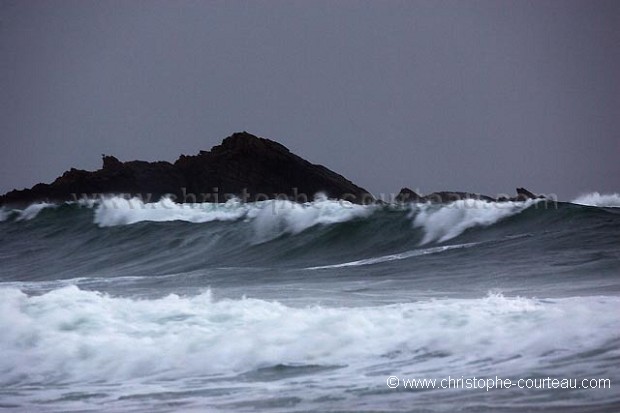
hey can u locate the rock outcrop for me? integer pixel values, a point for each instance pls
(243, 165)
(406, 195)
(263, 168)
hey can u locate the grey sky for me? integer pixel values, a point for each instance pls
(465, 95)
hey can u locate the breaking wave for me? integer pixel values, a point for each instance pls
(165, 237)
(69, 335)
(291, 217)
(121, 305)
(445, 222)
(598, 200)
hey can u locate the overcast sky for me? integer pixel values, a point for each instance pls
(436, 95)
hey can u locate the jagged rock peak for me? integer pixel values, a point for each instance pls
(111, 162)
(524, 193)
(407, 195)
(246, 142)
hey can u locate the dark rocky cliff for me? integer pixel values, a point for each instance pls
(243, 165)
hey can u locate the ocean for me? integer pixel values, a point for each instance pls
(123, 306)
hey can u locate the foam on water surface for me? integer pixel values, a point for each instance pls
(69, 335)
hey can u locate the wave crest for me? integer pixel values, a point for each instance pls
(271, 219)
(444, 222)
(598, 200)
(121, 211)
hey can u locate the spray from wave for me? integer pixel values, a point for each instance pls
(445, 222)
(270, 219)
(273, 218)
(117, 211)
(598, 200)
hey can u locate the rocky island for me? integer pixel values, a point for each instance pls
(243, 166)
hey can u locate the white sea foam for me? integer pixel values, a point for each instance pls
(395, 257)
(273, 218)
(121, 211)
(599, 200)
(269, 218)
(444, 222)
(70, 335)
